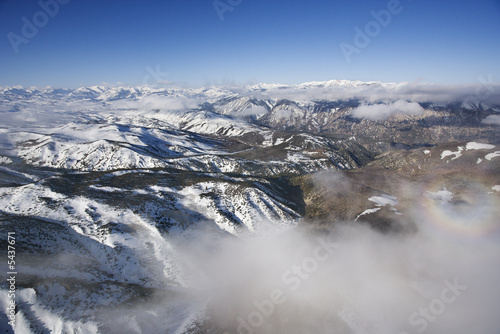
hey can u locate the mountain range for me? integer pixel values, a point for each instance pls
(112, 191)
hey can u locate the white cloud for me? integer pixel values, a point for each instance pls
(255, 111)
(158, 102)
(492, 120)
(378, 112)
(383, 92)
(369, 273)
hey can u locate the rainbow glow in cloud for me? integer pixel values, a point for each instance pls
(472, 211)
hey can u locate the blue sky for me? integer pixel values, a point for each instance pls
(89, 42)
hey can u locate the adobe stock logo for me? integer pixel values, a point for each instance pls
(225, 6)
(372, 29)
(420, 319)
(437, 306)
(158, 77)
(487, 85)
(293, 279)
(49, 9)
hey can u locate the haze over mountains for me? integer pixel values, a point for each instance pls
(180, 210)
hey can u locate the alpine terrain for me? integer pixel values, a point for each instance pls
(325, 207)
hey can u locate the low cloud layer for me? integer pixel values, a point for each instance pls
(382, 111)
(353, 281)
(152, 102)
(492, 120)
(485, 93)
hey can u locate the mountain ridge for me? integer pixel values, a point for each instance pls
(122, 199)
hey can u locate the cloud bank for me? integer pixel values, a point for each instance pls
(386, 92)
(379, 112)
(492, 120)
(355, 280)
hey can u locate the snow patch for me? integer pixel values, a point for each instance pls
(50, 320)
(492, 155)
(478, 146)
(295, 157)
(5, 160)
(367, 212)
(384, 200)
(445, 196)
(447, 153)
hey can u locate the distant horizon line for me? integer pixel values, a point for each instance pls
(177, 85)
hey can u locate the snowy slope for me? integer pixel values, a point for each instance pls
(113, 191)
(92, 242)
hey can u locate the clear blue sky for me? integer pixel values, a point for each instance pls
(291, 41)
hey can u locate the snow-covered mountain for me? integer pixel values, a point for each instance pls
(147, 210)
